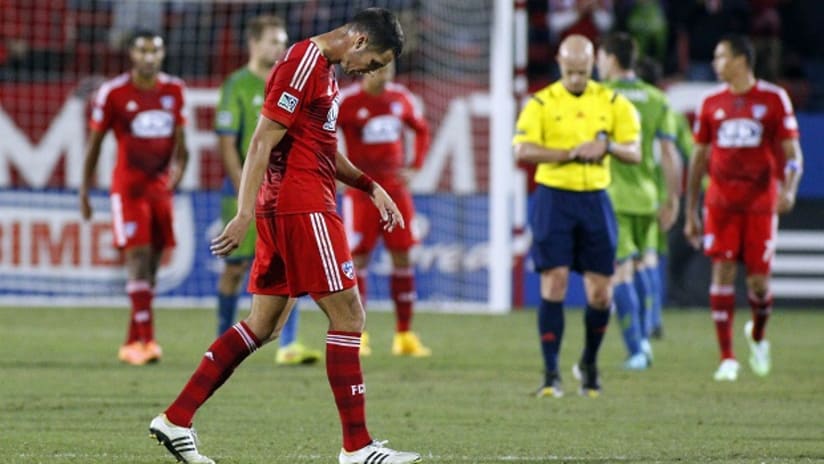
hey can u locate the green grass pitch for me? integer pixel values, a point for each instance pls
(64, 398)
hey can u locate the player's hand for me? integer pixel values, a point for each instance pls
(232, 235)
(692, 230)
(589, 152)
(668, 213)
(391, 216)
(786, 202)
(85, 205)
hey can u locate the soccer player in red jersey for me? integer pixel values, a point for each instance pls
(736, 131)
(301, 247)
(144, 108)
(373, 116)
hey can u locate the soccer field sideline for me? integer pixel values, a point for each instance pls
(65, 398)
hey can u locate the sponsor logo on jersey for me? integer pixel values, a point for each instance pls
(348, 269)
(153, 124)
(740, 133)
(382, 129)
(167, 102)
(758, 111)
(288, 102)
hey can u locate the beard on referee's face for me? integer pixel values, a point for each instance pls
(575, 58)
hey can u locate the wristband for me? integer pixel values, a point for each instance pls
(793, 166)
(364, 183)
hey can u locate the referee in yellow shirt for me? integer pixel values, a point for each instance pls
(568, 129)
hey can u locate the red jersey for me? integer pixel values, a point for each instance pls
(302, 95)
(373, 128)
(144, 124)
(745, 132)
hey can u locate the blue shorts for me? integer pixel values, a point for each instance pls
(573, 229)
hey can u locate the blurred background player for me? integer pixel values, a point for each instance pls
(650, 71)
(288, 183)
(373, 117)
(568, 128)
(635, 197)
(738, 129)
(241, 97)
(144, 107)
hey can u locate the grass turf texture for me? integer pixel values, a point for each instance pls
(64, 398)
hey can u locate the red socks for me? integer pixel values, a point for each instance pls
(722, 305)
(141, 326)
(221, 359)
(346, 379)
(761, 310)
(402, 285)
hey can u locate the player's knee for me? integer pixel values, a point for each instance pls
(758, 286)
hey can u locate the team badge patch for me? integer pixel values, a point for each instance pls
(167, 102)
(758, 111)
(224, 118)
(288, 102)
(349, 269)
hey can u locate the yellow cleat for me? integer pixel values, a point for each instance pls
(295, 354)
(408, 344)
(365, 349)
(134, 353)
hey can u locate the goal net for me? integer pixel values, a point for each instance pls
(54, 54)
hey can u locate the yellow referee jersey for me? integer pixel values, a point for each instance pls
(556, 119)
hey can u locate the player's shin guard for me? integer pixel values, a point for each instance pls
(595, 323)
(402, 285)
(343, 370)
(722, 305)
(218, 363)
(141, 324)
(761, 309)
(627, 309)
(643, 287)
(551, 332)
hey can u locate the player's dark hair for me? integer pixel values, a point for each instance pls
(143, 34)
(649, 70)
(255, 28)
(741, 46)
(382, 27)
(622, 46)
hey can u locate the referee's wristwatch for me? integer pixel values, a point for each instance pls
(602, 135)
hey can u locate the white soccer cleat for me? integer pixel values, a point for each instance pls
(180, 441)
(375, 453)
(727, 371)
(760, 362)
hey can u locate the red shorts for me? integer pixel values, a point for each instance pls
(142, 220)
(363, 222)
(741, 236)
(299, 254)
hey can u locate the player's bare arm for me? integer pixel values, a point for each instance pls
(350, 175)
(692, 216)
(89, 167)
(227, 144)
(180, 159)
(673, 170)
(532, 153)
(267, 135)
(793, 169)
